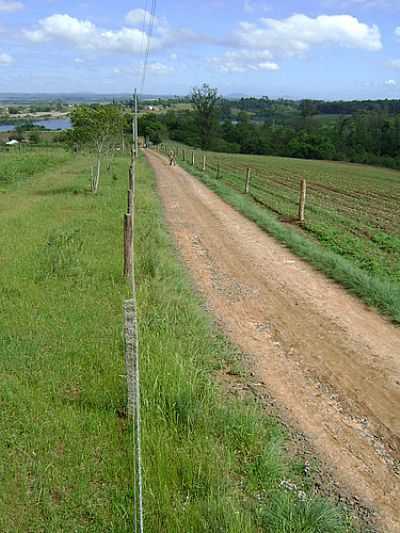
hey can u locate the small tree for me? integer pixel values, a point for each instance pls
(96, 127)
(34, 137)
(206, 104)
(19, 133)
(308, 109)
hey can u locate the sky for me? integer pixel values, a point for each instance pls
(331, 49)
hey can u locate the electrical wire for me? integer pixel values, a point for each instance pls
(149, 34)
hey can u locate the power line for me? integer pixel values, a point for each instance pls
(149, 38)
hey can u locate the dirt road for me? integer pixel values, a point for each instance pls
(330, 362)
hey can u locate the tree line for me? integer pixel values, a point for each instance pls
(365, 136)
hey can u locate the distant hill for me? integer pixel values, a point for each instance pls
(70, 98)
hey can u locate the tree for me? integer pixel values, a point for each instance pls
(206, 104)
(34, 137)
(97, 127)
(151, 128)
(308, 109)
(20, 133)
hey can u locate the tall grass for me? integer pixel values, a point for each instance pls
(17, 164)
(65, 443)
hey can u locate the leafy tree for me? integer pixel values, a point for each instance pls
(19, 133)
(308, 109)
(34, 137)
(206, 104)
(151, 128)
(99, 128)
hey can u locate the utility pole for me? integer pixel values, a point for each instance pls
(133, 121)
(136, 141)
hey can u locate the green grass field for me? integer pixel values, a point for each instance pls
(351, 212)
(211, 462)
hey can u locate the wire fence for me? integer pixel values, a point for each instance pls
(131, 336)
(279, 190)
(356, 216)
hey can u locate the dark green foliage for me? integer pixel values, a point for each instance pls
(360, 132)
(205, 102)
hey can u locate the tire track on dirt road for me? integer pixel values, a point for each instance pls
(329, 361)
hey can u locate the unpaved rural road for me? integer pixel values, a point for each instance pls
(331, 363)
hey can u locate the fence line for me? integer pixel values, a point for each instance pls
(131, 334)
(247, 180)
(280, 190)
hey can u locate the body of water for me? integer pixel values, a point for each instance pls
(50, 124)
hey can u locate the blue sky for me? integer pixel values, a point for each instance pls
(280, 48)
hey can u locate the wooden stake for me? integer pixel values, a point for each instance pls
(193, 160)
(130, 202)
(128, 246)
(302, 203)
(204, 162)
(248, 179)
(132, 176)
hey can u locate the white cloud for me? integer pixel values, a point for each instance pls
(5, 59)
(244, 61)
(140, 17)
(394, 63)
(251, 7)
(160, 69)
(10, 7)
(391, 83)
(87, 36)
(298, 33)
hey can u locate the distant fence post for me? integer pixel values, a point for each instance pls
(193, 159)
(248, 179)
(128, 240)
(302, 202)
(183, 154)
(204, 162)
(218, 170)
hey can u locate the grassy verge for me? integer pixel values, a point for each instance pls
(18, 164)
(64, 443)
(383, 295)
(212, 463)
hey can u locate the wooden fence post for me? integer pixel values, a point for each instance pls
(302, 202)
(128, 243)
(130, 202)
(131, 180)
(183, 154)
(193, 160)
(248, 179)
(204, 162)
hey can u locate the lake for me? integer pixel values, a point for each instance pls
(50, 124)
